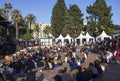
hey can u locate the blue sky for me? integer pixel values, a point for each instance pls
(42, 9)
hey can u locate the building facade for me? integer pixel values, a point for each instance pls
(41, 34)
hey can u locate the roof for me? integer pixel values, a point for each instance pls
(117, 32)
(103, 35)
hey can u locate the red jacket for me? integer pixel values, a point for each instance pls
(116, 54)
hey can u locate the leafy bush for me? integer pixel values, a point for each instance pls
(27, 36)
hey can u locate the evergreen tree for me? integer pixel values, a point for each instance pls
(2, 12)
(68, 27)
(76, 20)
(58, 18)
(7, 10)
(117, 27)
(100, 17)
(1, 15)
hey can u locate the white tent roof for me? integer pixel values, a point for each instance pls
(81, 36)
(87, 36)
(60, 37)
(102, 36)
(68, 37)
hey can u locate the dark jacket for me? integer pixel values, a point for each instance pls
(81, 76)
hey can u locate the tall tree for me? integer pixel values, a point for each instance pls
(47, 30)
(37, 29)
(7, 10)
(2, 12)
(68, 27)
(76, 20)
(16, 17)
(58, 18)
(31, 19)
(100, 16)
(1, 15)
(25, 23)
(5, 23)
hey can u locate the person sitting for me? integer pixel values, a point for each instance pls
(93, 69)
(46, 65)
(81, 75)
(78, 61)
(98, 66)
(58, 78)
(50, 65)
(73, 64)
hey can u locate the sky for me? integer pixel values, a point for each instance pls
(42, 9)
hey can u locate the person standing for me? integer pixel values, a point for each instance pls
(116, 54)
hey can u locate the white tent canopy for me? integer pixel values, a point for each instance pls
(88, 37)
(81, 36)
(102, 36)
(68, 37)
(60, 37)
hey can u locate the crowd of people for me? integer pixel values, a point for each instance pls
(7, 46)
(55, 56)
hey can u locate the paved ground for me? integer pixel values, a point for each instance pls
(112, 73)
(49, 74)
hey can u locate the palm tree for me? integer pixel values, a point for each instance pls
(16, 17)
(47, 30)
(36, 29)
(31, 19)
(25, 23)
